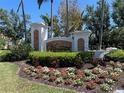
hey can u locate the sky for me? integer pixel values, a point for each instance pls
(31, 7)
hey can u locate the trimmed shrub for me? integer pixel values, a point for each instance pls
(116, 55)
(54, 59)
(60, 59)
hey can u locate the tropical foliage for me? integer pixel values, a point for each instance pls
(118, 14)
(90, 19)
(93, 22)
(12, 25)
(56, 27)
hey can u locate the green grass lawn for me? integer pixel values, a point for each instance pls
(10, 82)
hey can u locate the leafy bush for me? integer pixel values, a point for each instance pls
(117, 55)
(86, 56)
(19, 52)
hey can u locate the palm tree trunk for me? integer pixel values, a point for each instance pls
(67, 27)
(101, 30)
(25, 36)
(51, 17)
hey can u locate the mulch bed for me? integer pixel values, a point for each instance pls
(21, 73)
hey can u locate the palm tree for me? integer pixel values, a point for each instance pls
(21, 4)
(40, 3)
(67, 27)
(101, 30)
(47, 21)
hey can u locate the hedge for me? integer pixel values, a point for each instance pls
(59, 59)
(116, 55)
(52, 54)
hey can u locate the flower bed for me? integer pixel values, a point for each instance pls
(102, 78)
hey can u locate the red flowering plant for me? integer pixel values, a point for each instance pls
(96, 70)
(99, 81)
(52, 78)
(80, 74)
(91, 85)
(68, 82)
(51, 71)
(39, 67)
(39, 71)
(64, 73)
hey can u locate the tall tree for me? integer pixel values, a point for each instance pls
(40, 3)
(117, 37)
(21, 4)
(93, 21)
(74, 16)
(67, 20)
(56, 26)
(102, 23)
(118, 12)
(117, 33)
(46, 19)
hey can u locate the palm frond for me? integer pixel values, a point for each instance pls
(40, 2)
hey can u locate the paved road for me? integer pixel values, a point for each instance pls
(119, 91)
